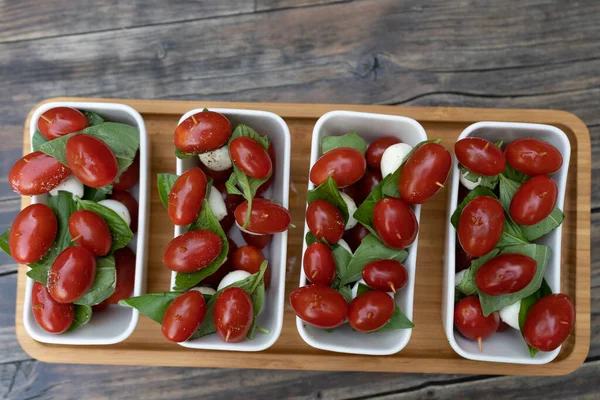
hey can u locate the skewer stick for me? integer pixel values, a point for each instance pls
(392, 287)
(48, 120)
(480, 346)
(439, 184)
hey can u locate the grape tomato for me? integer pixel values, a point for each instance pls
(249, 258)
(549, 322)
(385, 275)
(130, 177)
(506, 273)
(376, 149)
(534, 200)
(319, 305)
(480, 156)
(233, 314)
(370, 311)
(344, 164)
(325, 221)
(37, 173)
(319, 264)
(32, 233)
(71, 275)
(187, 196)
(424, 173)
(90, 231)
(192, 251)
(480, 225)
(266, 217)
(395, 223)
(60, 121)
(183, 316)
(202, 132)
(91, 161)
(53, 317)
(470, 322)
(533, 157)
(250, 157)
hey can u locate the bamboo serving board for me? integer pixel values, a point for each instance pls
(428, 350)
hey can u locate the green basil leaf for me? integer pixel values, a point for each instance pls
(93, 118)
(165, 183)
(508, 188)
(477, 192)
(346, 291)
(82, 317)
(258, 300)
(370, 249)
(152, 305)
(310, 238)
(104, 283)
(182, 155)
(4, 242)
(362, 288)
(526, 304)
(514, 175)
(511, 234)
(398, 321)
(458, 296)
(545, 226)
(329, 192)
(231, 185)
(206, 221)
(342, 258)
(120, 232)
(37, 140)
(96, 194)
(350, 139)
(466, 286)
(489, 182)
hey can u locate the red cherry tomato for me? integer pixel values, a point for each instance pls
(258, 241)
(502, 326)
(319, 264)
(319, 306)
(354, 191)
(263, 188)
(249, 156)
(192, 251)
(325, 221)
(125, 264)
(130, 177)
(91, 161)
(345, 165)
(183, 316)
(90, 231)
(249, 258)
(233, 314)
(218, 177)
(395, 223)
(187, 196)
(506, 273)
(53, 317)
(549, 322)
(267, 217)
(232, 201)
(132, 206)
(71, 274)
(60, 121)
(480, 225)
(463, 260)
(370, 311)
(480, 156)
(470, 322)
(368, 183)
(202, 132)
(32, 233)
(355, 236)
(534, 200)
(214, 279)
(385, 275)
(376, 149)
(424, 173)
(37, 173)
(533, 157)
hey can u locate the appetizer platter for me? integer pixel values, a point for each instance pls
(427, 349)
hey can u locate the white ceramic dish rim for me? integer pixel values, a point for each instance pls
(410, 262)
(552, 270)
(284, 175)
(141, 243)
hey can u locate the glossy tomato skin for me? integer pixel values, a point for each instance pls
(470, 322)
(130, 177)
(183, 316)
(424, 173)
(319, 264)
(376, 149)
(90, 231)
(187, 196)
(480, 225)
(345, 165)
(192, 251)
(132, 206)
(319, 306)
(506, 273)
(60, 121)
(91, 161)
(355, 236)
(395, 223)
(202, 132)
(214, 279)
(53, 317)
(480, 156)
(32, 233)
(549, 322)
(367, 184)
(533, 157)
(71, 274)
(258, 241)
(370, 311)
(218, 177)
(385, 275)
(263, 188)
(325, 221)
(248, 258)
(125, 265)
(250, 157)
(267, 217)
(37, 173)
(534, 200)
(233, 314)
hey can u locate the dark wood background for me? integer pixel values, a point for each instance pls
(508, 54)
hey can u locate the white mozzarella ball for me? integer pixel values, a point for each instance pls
(467, 183)
(354, 290)
(459, 277)
(71, 184)
(204, 290)
(217, 160)
(510, 314)
(232, 277)
(351, 210)
(392, 158)
(345, 245)
(119, 208)
(217, 204)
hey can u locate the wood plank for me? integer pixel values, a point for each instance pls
(10, 350)
(269, 5)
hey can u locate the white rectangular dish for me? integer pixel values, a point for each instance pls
(507, 346)
(114, 324)
(370, 127)
(271, 316)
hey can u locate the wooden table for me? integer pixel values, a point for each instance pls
(529, 54)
